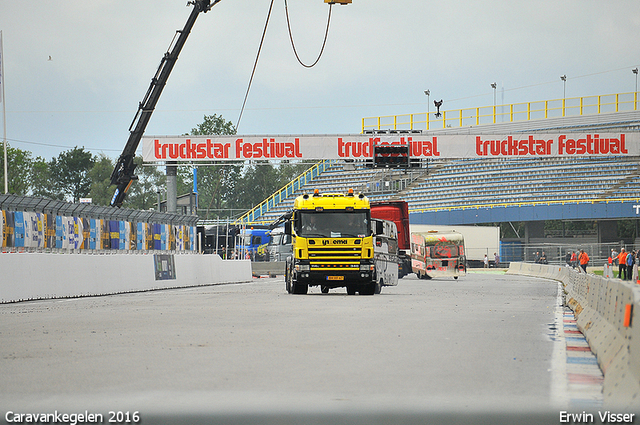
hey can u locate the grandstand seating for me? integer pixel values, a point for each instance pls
(460, 183)
(474, 182)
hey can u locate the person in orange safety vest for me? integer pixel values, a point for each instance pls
(622, 264)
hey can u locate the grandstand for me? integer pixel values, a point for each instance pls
(446, 184)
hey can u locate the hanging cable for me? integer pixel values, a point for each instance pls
(255, 65)
(286, 9)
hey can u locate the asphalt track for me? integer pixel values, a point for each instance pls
(479, 349)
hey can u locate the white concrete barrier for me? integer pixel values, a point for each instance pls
(608, 314)
(30, 276)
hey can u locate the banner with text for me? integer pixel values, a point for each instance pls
(360, 146)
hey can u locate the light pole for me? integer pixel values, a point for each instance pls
(493, 86)
(635, 94)
(564, 91)
(428, 92)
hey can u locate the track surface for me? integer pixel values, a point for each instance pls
(453, 349)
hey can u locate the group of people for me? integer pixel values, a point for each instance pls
(625, 260)
(540, 259)
(574, 259)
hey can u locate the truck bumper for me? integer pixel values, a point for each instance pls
(334, 278)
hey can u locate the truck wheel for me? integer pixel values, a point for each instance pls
(351, 290)
(378, 288)
(324, 289)
(287, 281)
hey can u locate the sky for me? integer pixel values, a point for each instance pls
(75, 70)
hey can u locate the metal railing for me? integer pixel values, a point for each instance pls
(11, 202)
(514, 112)
(265, 206)
(522, 204)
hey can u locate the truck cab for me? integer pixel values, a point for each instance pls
(332, 242)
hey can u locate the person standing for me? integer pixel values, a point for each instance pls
(574, 259)
(622, 264)
(631, 259)
(584, 260)
(486, 261)
(496, 258)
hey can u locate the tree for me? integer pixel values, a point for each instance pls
(143, 193)
(213, 124)
(41, 183)
(100, 178)
(216, 183)
(70, 173)
(18, 166)
(260, 180)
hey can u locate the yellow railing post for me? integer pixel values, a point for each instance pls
(477, 116)
(460, 117)
(444, 119)
(581, 105)
(511, 112)
(494, 114)
(427, 120)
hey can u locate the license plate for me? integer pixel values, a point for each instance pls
(335, 277)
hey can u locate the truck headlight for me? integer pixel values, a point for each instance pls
(303, 267)
(366, 267)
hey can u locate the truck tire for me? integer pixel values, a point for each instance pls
(287, 277)
(351, 290)
(324, 289)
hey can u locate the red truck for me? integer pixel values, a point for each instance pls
(398, 212)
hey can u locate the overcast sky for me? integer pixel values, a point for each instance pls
(379, 58)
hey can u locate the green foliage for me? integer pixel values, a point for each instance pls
(627, 230)
(70, 172)
(100, 178)
(41, 180)
(143, 193)
(18, 166)
(213, 124)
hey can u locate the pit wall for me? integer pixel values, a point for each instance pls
(607, 313)
(33, 276)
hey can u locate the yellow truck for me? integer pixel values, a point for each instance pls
(333, 244)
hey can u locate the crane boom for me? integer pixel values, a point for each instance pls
(123, 173)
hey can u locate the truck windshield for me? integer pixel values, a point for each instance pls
(334, 224)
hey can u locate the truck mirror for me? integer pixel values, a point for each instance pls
(287, 228)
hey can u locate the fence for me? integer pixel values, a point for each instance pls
(34, 224)
(556, 108)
